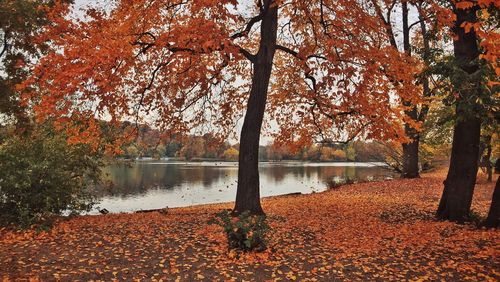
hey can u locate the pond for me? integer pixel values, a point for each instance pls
(151, 184)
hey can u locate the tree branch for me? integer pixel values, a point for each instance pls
(387, 23)
(148, 87)
(287, 50)
(248, 27)
(251, 57)
(4, 49)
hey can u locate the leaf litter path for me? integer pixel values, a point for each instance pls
(375, 231)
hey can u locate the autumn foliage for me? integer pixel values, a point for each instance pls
(185, 65)
(315, 71)
(370, 231)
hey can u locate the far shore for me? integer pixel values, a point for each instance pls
(215, 160)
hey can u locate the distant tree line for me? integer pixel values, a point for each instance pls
(151, 143)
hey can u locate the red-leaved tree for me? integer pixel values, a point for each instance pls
(319, 68)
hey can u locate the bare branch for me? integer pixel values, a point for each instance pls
(5, 46)
(287, 50)
(251, 57)
(387, 23)
(248, 27)
(148, 87)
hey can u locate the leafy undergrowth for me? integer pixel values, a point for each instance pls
(370, 231)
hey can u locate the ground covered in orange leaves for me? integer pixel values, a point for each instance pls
(371, 231)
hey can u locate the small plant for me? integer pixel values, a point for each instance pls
(244, 232)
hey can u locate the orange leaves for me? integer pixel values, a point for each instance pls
(485, 28)
(342, 81)
(464, 4)
(482, 3)
(176, 65)
(123, 65)
(368, 231)
(470, 26)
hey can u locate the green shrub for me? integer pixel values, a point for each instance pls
(244, 232)
(41, 176)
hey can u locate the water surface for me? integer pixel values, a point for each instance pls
(158, 184)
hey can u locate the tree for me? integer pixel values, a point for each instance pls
(327, 154)
(331, 154)
(172, 147)
(191, 65)
(369, 151)
(350, 152)
(132, 152)
(489, 142)
(20, 21)
(485, 149)
(493, 219)
(410, 147)
(230, 154)
(195, 148)
(312, 153)
(417, 47)
(466, 78)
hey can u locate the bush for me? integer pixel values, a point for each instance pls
(41, 176)
(245, 232)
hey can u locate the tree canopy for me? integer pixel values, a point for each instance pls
(317, 70)
(185, 65)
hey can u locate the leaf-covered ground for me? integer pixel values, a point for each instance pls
(372, 231)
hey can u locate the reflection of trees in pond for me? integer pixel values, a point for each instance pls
(278, 173)
(141, 177)
(275, 173)
(308, 173)
(331, 175)
(325, 174)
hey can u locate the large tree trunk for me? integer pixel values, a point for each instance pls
(247, 194)
(459, 184)
(493, 219)
(410, 150)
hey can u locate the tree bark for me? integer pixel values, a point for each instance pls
(487, 157)
(248, 194)
(459, 184)
(410, 149)
(493, 219)
(410, 160)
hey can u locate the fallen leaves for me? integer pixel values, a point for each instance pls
(368, 231)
